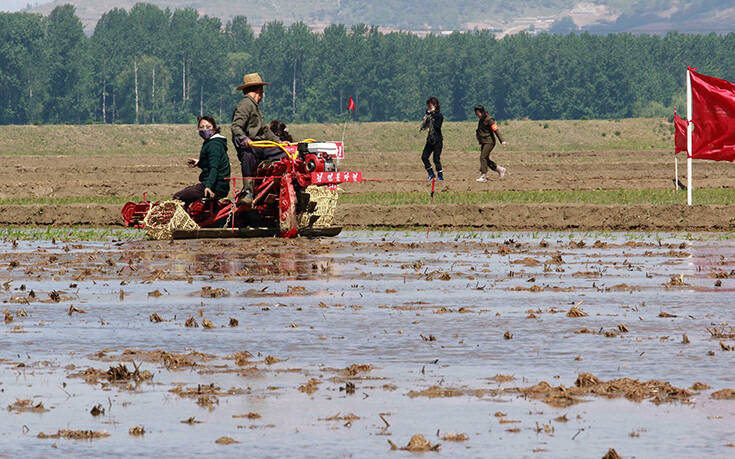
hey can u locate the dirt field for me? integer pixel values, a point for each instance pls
(81, 175)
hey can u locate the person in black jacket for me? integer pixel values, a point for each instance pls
(433, 120)
(214, 163)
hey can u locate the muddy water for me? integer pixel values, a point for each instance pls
(452, 311)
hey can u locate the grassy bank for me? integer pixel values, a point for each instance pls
(68, 234)
(523, 135)
(601, 197)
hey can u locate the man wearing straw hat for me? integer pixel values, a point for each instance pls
(248, 125)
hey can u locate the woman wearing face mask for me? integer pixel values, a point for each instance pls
(214, 163)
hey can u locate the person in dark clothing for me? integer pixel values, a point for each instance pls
(280, 129)
(487, 131)
(433, 120)
(214, 163)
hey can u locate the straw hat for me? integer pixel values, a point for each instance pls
(250, 80)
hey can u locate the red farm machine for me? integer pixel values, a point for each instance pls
(293, 196)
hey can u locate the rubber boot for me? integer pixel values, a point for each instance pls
(431, 174)
(440, 175)
(245, 197)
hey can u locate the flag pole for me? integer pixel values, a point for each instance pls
(690, 126)
(676, 172)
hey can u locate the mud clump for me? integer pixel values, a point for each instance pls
(455, 437)
(121, 373)
(441, 392)
(241, 358)
(27, 406)
(226, 441)
(575, 311)
(588, 384)
(191, 323)
(586, 380)
(209, 292)
(250, 415)
(724, 394)
(417, 444)
(115, 374)
(136, 431)
(310, 387)
(355, 369)
(500, 379)
(270, 360)
(699, 386)
(75, 435)
(207, 324)
(528, 261)
(203, 390)
(722, 332)
(611, 454)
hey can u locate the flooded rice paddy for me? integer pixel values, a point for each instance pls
(503, 345)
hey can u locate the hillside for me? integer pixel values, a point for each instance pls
(657, 16)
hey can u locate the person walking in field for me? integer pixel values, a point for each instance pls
(487, 130)
(433, 120)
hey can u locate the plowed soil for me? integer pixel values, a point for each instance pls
(88, 176)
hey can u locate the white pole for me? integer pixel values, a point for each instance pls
(690, 126)
(676, 172)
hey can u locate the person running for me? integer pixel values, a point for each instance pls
(433, 120)
(214, 163)
(487, 130)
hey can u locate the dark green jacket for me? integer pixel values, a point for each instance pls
(487, 130)
(215, 165)
(248, 121)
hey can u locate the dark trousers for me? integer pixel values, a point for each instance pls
(436, 149)
(250, 157)
(485, 161)
(190, 194)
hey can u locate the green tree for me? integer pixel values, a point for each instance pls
(68, 67)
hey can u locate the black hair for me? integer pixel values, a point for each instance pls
(435, 102)
(481, 109)
(211, 120)
(279, 128)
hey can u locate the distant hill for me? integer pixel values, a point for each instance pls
(503, 17)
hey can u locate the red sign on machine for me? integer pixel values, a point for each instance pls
(326, 178)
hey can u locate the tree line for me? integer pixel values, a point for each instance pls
(149, 65)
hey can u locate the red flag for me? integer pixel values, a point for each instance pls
(680, 134)
(351, 104)
(713, 115)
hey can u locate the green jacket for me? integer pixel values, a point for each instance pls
(487, 130)
(248, 122)
(215, 165)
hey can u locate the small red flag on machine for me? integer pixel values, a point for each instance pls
(713, 116)
(351, 104)
(680, 134)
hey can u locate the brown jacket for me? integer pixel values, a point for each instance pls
(487, 130)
